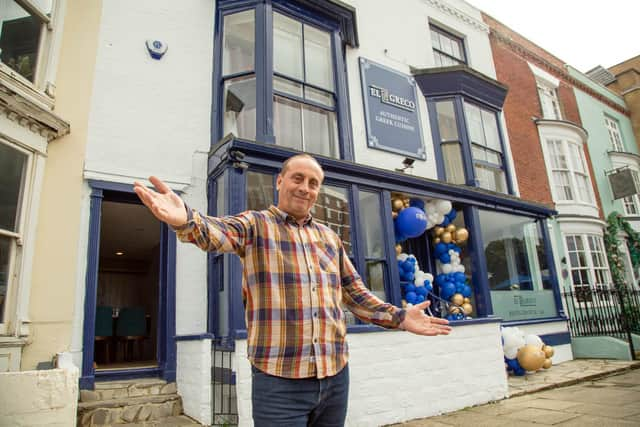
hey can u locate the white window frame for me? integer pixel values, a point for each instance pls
(18, 240)
(613, 128)
(596, 261)
(549, 103)
(42, 89)
(563, 163)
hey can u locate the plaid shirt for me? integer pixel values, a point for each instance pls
(296, 279)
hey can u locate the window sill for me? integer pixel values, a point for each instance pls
(23, 87)
(11, 341)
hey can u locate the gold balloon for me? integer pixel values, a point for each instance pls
(436, 240)
(446, 237)
(531, 357)
(394, 215)
(438, 230)
(397, 204)
(462, 235)
(454, 309)
(451, 228)
(457, 299)
(548, 351)
(406, 203)
(467, 301)
(467, 308)
(398, 249)
(547, 363)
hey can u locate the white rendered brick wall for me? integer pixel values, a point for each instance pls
(397, 376)
(194, 378)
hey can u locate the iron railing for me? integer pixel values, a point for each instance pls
(603, 311)
(223, 384)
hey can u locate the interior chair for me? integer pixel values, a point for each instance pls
(104, 331)
(131, 330)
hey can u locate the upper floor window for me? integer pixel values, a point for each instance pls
(280, 85)
(447, 48)
(549, 101)
(614, 134)
(631, 204)
(588, 264)
(569, 174)
(23, 36)
(478, 141)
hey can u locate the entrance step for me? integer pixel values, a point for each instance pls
(147, 401)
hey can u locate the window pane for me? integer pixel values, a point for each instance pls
(490, 178)
(474, 123)
(375, 278)
(240, 107)
(19, 39)
(12, 169)
(371, 224)
(287, 46)
(220, 192)
(287, 122)
(319, 96)
(5, 247)
(238, 42)
(287, 86)
(453, 167)
(259, 190)
(332, 209)
(490, 124)
(317, 58)
(447, 121)
(320, 131)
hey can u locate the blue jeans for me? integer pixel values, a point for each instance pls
(299, 402)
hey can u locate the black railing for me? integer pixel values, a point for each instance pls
(223, 385)
(603, 311)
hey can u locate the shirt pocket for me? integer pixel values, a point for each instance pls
(329, 263)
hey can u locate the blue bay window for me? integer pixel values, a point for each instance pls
(279, 74)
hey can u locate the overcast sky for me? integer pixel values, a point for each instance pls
(581, 33)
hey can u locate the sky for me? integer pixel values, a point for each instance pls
(583, 34)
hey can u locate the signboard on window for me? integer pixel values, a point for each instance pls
(622, 183)
(391, 110)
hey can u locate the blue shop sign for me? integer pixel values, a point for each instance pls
(391, 110)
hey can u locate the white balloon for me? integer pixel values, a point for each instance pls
(402, 257)
(447, 268)
(510, 352)
(533, 340)
(430, 207)
(429, 277)
(459, 268)
(443, 206)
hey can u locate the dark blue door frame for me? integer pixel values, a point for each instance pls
(166, 349)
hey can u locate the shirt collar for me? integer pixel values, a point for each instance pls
(288, 218)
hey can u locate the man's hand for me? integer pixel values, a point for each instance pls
(419, 323)
(164, 204)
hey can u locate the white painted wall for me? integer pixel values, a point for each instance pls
(408, 376)
(194, 379)
(398, 37)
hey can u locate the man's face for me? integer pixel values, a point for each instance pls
(298, 187)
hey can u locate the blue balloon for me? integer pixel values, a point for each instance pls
(459, 287)
(466, 291)
(408, 266)
(454, 247)
(445, 222)
(441, 248)
(411, 261)
(427, 285)
(440, 279)
(447, 290)
(419, 298)
(417, 203)
(411, 222)
(452, 214)
(399, 237)
(421, 290)
(411, 297)
(410, 287)
(410, 276)
(459, 277)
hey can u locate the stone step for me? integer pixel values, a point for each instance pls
(181, 421)
(150, 408)
(127, 389)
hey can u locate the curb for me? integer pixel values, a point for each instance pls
(576, 380)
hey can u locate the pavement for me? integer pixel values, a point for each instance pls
(581, 392)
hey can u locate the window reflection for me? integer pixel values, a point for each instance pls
(332, 209)
(259, 190)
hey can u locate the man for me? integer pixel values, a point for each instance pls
(297, 275)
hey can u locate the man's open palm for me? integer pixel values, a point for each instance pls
(419, 323)
(163, 203)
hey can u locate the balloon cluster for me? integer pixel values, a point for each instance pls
(524, 353)
(412, 217)
(415, 284)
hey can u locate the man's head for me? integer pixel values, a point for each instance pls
(298, 185)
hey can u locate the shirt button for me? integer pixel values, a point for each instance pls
(313, 289)
(315, 340)
(315, 314)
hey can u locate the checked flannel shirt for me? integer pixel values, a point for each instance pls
(295, 282)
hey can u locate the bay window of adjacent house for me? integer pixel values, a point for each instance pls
(588, 264)
(23, 35)
(614, 134)
(13, 172)
(631, 204)
(297, 108)
(569, 174)
(549, 101)
(448, 49)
